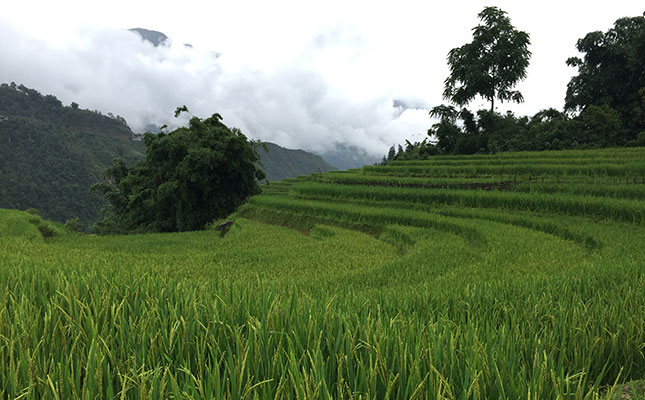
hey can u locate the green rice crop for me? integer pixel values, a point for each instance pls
(295, 218)
(198, 316)
(339, 213)
(635, 169)
(304, 221)
(620, 154)
(377, 285)
(599, 208)
(385, 180)
(547, 225)
(618, 191)
(587, 161)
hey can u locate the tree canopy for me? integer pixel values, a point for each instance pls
(491, 64)
(189, 177)
(605, 102)
(612, 73)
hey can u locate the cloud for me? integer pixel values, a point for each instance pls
(401, 105)
(301, 103)
(339, 73)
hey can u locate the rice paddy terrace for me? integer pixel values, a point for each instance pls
(569, 195)
(517, 275)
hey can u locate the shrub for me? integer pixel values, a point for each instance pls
(74, 225)
(640, 139)
(46, 231)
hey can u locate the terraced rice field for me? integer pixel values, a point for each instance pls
(600, 184)
(519, 275)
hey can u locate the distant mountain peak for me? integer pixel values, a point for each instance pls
(155, 37)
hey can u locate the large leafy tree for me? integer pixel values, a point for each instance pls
(491, 64)
(612, 73)
(189, 177)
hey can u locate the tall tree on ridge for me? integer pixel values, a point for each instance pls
(491, 64)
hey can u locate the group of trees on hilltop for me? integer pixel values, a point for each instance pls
(604, 104)
(21, 101)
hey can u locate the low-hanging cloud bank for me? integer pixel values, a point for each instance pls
(293, 105)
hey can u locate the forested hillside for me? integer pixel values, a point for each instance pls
(279, 163)
(51, 154)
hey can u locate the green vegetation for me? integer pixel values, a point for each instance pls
(514, 275)
(378, 284)
(51, 154)
(279, 163)
(611, 74)
(28, 226)
(491, 64)
(604, 104)
(188, 178)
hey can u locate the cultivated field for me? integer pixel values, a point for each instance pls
(518, 275)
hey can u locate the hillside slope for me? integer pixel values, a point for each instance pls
(52, 154)
(279, 163)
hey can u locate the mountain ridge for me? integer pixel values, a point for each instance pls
(156, 38)
(279, 162)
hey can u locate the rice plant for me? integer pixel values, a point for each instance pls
(363, 284)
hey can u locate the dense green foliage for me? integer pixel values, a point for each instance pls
(462, 132)
(51, 154)
(279, 163)
(531, 289)
(611, 74)
(604, 105)
(189, 177)
(491, 65)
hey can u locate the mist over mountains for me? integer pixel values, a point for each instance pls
(143, 76)
(52, 154)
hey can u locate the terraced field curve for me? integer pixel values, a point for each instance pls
(538, 191)
(510, 276)
(512, 220)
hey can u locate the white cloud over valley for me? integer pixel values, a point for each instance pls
(303, 75)
(114, 70)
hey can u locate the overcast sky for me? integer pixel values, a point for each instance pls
(301, 74)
